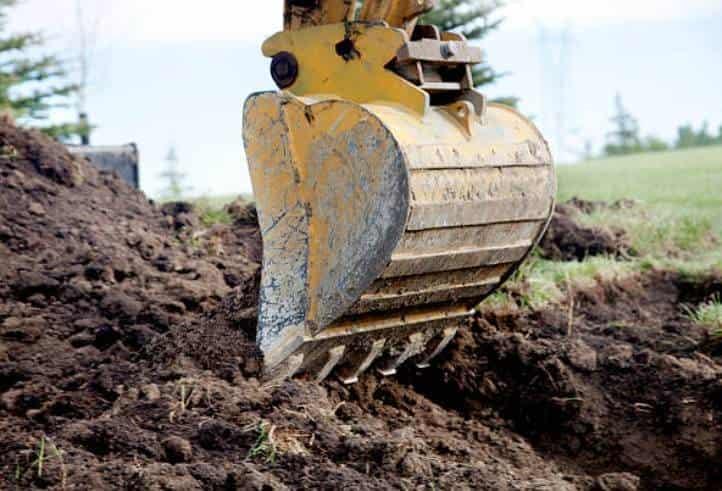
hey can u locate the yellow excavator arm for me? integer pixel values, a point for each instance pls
(403, 14)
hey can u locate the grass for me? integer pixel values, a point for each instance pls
(677, 222)
(708, 314)
(541, 282)
(211, 209)
(218, 202)
(675, 184)
(264, 447)
(37, 461)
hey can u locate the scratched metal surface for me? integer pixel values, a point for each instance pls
(332, 193)
(357, 235)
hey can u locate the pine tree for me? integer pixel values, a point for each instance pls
(31, 86)
(475, 19)
(624, 139)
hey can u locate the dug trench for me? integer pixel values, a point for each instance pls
(127, 362)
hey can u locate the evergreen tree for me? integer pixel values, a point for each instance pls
(688, 137)
(30, 86)
(624, 139)
(472, 18)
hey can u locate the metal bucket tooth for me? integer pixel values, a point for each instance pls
(438, 345)
(413, 347)
(290, 367)
(334, 356)
(358, 364)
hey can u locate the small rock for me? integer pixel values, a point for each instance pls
(618, 482)
(581, 356)
(36, 209)
(151, 392)
(177, 450)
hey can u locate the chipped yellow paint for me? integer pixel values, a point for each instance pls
(396, 13)
(361, 182)
(362, 78)
(326, 12)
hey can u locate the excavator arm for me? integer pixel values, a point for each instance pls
(402, 14)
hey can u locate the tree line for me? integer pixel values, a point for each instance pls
(625, 138)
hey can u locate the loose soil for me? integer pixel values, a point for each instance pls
(127, 362)
(568, 240)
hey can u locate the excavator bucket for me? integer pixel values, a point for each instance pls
(392, 197)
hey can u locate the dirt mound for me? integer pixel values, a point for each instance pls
(627, 386)
(568, 240)
(127, 362)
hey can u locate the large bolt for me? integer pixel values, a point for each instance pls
(284, 69)
(449, 49)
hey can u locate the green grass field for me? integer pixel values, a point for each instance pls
(675, 184)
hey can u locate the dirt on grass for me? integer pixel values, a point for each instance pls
(127, 362)
(567, 239)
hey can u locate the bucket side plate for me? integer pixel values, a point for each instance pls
(331, 186)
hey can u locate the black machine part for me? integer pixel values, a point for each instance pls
(122, 159)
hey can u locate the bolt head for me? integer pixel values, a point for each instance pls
(284, 69)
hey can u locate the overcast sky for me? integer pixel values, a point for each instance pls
(176, 71)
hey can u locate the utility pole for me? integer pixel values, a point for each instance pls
(555, 62)
(84, 70)
(173, 176)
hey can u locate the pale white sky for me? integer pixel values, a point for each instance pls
(248, 20)
(177, 71)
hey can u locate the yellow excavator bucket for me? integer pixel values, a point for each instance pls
(392, 197)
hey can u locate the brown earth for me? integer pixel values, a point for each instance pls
(126, 363)
(568, 240)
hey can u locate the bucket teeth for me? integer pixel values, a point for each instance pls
(414, 346)
(437, 346)
(290, 367)
(334, 356)
(359, 364)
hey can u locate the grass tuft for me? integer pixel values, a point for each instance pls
(35, 462)
(264, 447)
(708, 314)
